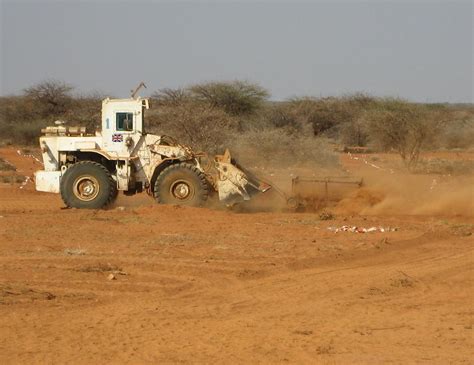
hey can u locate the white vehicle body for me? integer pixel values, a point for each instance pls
(133, 158)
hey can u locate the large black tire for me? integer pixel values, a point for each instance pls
(88, 185)
(181, 184)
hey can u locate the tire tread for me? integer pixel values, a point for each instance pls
(204, 186)
(67, 199)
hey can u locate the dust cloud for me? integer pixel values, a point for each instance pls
(383, 192)
(402, 194)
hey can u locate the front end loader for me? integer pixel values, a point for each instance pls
(89, 169)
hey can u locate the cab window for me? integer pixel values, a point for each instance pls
(124, 121)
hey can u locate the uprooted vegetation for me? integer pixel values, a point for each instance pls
(238, 114)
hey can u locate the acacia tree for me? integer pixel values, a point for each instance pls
(169, 96)
(403, 126)
(238, 98)
(196, 124)
(53, 97)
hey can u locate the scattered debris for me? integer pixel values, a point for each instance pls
(355, 229)
(326, 216)
(406, 281)
(363, 159)
(303, 332)
(111, 277)
(375, 291)
(119, 272)
(402, 282)
(75, 251)
(28, 179)
(368, 331)
(121, 209)
(385, 241)
(22, 294)
(20, 153)
(100, 267)
(462, 230)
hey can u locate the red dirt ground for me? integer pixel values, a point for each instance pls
(216, 286)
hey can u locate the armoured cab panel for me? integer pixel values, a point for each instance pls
(122, 125)
(50, 153)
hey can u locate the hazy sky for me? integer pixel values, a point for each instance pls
(420, 50)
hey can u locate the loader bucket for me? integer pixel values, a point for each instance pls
(235, 183)
(321, 192)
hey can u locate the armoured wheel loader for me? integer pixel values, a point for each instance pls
(89, 170)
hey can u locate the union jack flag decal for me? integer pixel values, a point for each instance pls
(117, 137)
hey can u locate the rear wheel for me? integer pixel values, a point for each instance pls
(181, 184)
(88, 185)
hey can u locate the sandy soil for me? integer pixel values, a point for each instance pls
(216, 286)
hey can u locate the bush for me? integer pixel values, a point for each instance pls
(51, 97)
(211, 116)
(403, 126)
(458, 132)
(274, 147)
(458, 137)
(171, 97)
(21, 120)
(331, 117)
(286, 117)
(17, 109)
(85, 111)
(238, 98)
(23, 133)
(196, 124)
(321, 114)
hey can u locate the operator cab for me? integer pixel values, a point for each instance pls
(122, 123)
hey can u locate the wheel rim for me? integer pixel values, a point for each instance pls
(86, 188)
(182, 190)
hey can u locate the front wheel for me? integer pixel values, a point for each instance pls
(181, 184)
(87, 185)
